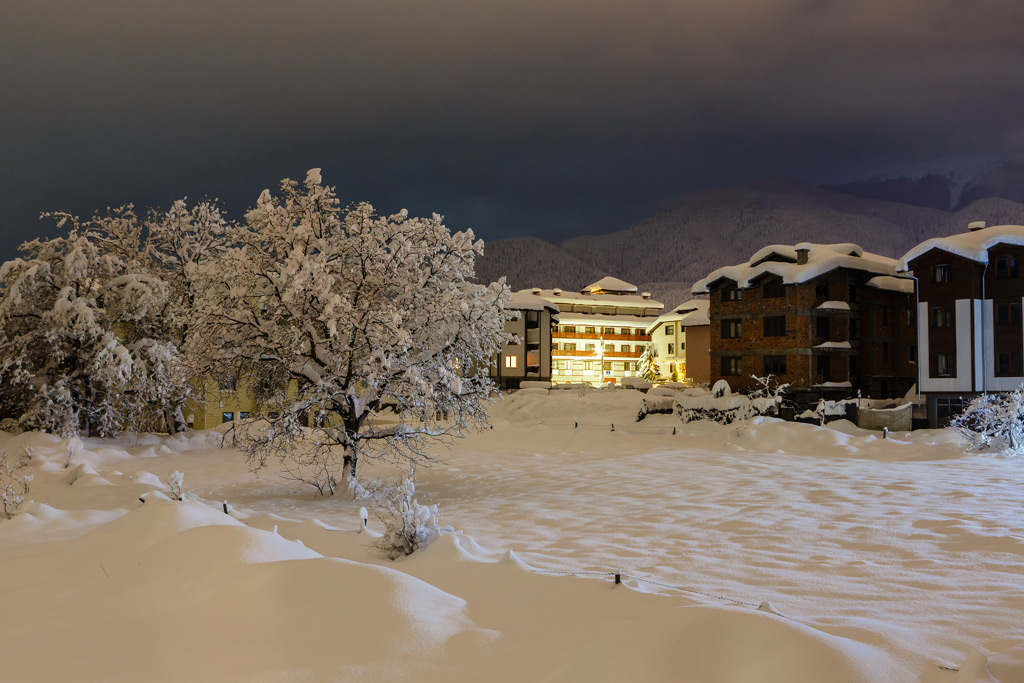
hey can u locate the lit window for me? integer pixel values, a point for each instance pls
(511, 361)
(732, 366)
(671, 348)
(670, 330)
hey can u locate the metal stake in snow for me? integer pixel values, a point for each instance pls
(225, 507)
(613, 426)
(618, 577)
(885, 432)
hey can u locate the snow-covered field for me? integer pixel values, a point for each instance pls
(761, 552)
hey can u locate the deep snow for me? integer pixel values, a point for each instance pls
(871, 559)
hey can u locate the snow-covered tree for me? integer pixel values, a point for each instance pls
(327, 315)
(80, 321)
(993, 420)
(647, 366)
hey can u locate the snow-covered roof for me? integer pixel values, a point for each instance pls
(833, 306)
(558, 296)
(833, 345)
(972, 245)
(781, 260)
(689, 314)
(892, 284)
(525, 300)
(611, 284)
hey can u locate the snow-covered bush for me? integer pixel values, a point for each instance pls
(993, 420)
(326, 316)
(722, 406)
(174, 485)
(647, 366)
(408, 526)
(14, 484)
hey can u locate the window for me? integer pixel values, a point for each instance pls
(883, 315)
(1007, 266)
(510, 361)
(854, 329)
(227, 417)
(773, 289)
(732, 366)
(775, 365)
(823, 328)
(854, 368)
(608, 348)
(671, 349)
(566, 364)
(627, 366)
(942, 365)
(533, 318)
(590, 347)
(569, 328)
(885, 352)
(775, 326)
(732, 329)
(1008, 313)
(670, 330)
(607, 365)
(732, 294)
(242, 415)
(910, 317)
(588, 330)
(942, 272)
(942, 316)
(609, 330)
(824, 367)
(821, 290)
(1008, 364)
(852, 293)
(624, 347)
(626, 330)
(912, 353)
(588, 365)
(570, 346)
(946, 408)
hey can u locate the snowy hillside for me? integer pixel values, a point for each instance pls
(704, 231)
(766, 551)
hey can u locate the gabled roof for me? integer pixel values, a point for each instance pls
(610, 284)
(781, 260)
(972, 245)
(690, 314)
(525, 300)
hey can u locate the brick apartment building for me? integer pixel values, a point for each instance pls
(829, 320)
(971, 337)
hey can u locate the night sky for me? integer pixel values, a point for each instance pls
(547, 118)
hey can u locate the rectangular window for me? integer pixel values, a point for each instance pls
(942, 365)
(1008, 313)
(775, 365)
(731, 294)
(625, 348)
(910, 317)
(670, 330)
(608, 348)
(609, 330)
(569, 328)
(821, 290)
(588, 365)
(1008, 364)
(775, 326)
(570, 346)
(227, 417)
(1007, 267)
(732, 366)
(824, 366)
(591, 347)
(510, 361)
(773, 290)
(912, 353)
(627, 366)
(942, 272)
(732, 329)
(884, 315)
(852, 293)
(822, 327)
(588, 330)
(607, 365)
(242, 415)
(854, 329)
(671, 349)
(942, 316)
(946, 408)
(885, 352)
(566, 364)
(626, 331)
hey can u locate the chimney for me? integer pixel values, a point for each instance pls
(536, 290)
(976, 225)
(556, 291)
(803, 250)
(646, 295)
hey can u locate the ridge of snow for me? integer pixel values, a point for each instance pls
(972, 245)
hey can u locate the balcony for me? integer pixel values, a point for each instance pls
(575, 353)
(607, 337)
(623, 354)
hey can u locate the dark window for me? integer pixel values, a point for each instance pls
(1008, 364)
(533, 319)
(773, 289)
(821, 290)
(885, 352)
(775, 326)
(942, 272)
(942, 365)
(942, 316)
(912, 353)
(732, 294)
(588, 330)
(775, 365)
(732, 366)
(884, 315)
(1008, 313)
(608, 348)
(1007, 266)
(822, 327)
(910, 317)
(242, 415)
(854, 329)
(627, 366)
(227, 417)
(852, 291)
(824, 367)
(569, 328)
(732, 329)
(853, 366)
(609, 330)
(946, 408)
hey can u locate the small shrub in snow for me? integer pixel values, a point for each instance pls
(993, 420)
(174, 484)
(13, 484)
(408, 526)
(724, 407)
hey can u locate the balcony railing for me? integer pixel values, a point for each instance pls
(593, 335)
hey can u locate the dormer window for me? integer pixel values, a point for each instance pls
(773, 289)
(942, 272)
(1007, 266)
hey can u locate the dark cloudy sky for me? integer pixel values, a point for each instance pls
(545, 117)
